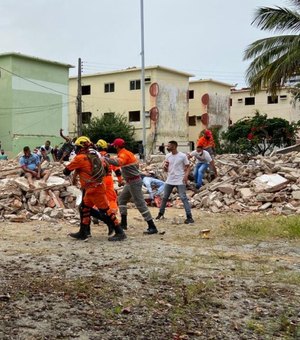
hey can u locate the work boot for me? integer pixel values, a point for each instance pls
(111, 228)
(95, 220)
(151, 228)
(82, 234)
(160, 216)
(189, 219)
(119, 234)
(124, 222)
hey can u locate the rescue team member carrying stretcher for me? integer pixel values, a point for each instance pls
(133, 187)
(93, 192)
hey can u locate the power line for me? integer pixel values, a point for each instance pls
(30, 81)
(39, 107)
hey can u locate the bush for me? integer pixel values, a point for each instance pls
(110, 127)
(258, 135)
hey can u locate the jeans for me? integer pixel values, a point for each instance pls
(199, 171)
(181, 191)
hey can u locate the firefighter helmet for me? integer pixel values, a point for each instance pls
(82, 141)
(102, 144)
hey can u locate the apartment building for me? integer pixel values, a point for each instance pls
(208, 107)
(245, 104)
(33, 101)
(119, 92)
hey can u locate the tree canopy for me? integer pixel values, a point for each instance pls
(259, 135)
(109, 127)
(275, 59)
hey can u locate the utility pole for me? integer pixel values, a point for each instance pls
(143, 81)
(79, 100)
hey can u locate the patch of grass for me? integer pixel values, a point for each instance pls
(283, 275)
(256, 327)
(263, 227)
(284, 325)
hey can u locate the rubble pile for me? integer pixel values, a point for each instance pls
(260, 184)
(55, 200)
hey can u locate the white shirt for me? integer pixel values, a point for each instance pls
(202, 157)
(176, 169)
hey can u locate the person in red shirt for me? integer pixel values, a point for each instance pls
(94, 193)
(133, 187)
(207, 142)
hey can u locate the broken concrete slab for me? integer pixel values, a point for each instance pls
(269, 183)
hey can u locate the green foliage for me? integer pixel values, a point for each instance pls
(109, 127)
(258, 135)
(274, 59)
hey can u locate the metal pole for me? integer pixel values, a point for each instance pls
(79, 100)
(143, 80)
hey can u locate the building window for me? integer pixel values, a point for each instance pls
(192, 121)
(135, 84)
(147, 80)
(250, 101)
(85, 89)
(134, 116)
(108, 114)
(272, 99)
(240, 100)
(109, 87)
(191, 94)
(86, 117)
(230, 101)
(283, 97)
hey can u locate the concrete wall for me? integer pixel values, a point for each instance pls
(33, 101)
(171, 102)
(285, 108)
(217, 107)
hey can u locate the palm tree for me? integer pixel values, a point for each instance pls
(275, 59)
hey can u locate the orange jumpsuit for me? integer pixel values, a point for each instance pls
(94, 191)
(109, 183)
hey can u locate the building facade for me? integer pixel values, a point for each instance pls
(34, 101)
(245, 104)
(119, 92)
(209, 107)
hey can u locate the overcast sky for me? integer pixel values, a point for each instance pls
(205, 38)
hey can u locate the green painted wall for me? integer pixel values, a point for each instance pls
(33, 102)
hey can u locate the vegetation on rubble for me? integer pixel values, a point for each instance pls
(258, 135)
(275, 59)
(109, 127)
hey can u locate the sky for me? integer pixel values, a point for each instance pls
(204, 38)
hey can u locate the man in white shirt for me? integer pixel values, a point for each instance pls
(178, 167)
(204, 160)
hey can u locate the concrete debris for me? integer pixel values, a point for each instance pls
(269, 184)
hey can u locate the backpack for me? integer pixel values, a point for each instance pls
(98, 169)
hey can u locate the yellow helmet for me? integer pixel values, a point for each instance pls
(102, 144)
(82, 141)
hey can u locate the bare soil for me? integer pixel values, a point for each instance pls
(171, 286)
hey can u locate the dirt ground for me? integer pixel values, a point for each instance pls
(171, 286)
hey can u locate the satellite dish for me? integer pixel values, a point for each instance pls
(205, 99)
(154, 113)
(205, 119)
(154, 89)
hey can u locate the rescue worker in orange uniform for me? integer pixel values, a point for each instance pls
(111, 195)
(207, 142)
(133, 187)
(93, 193)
